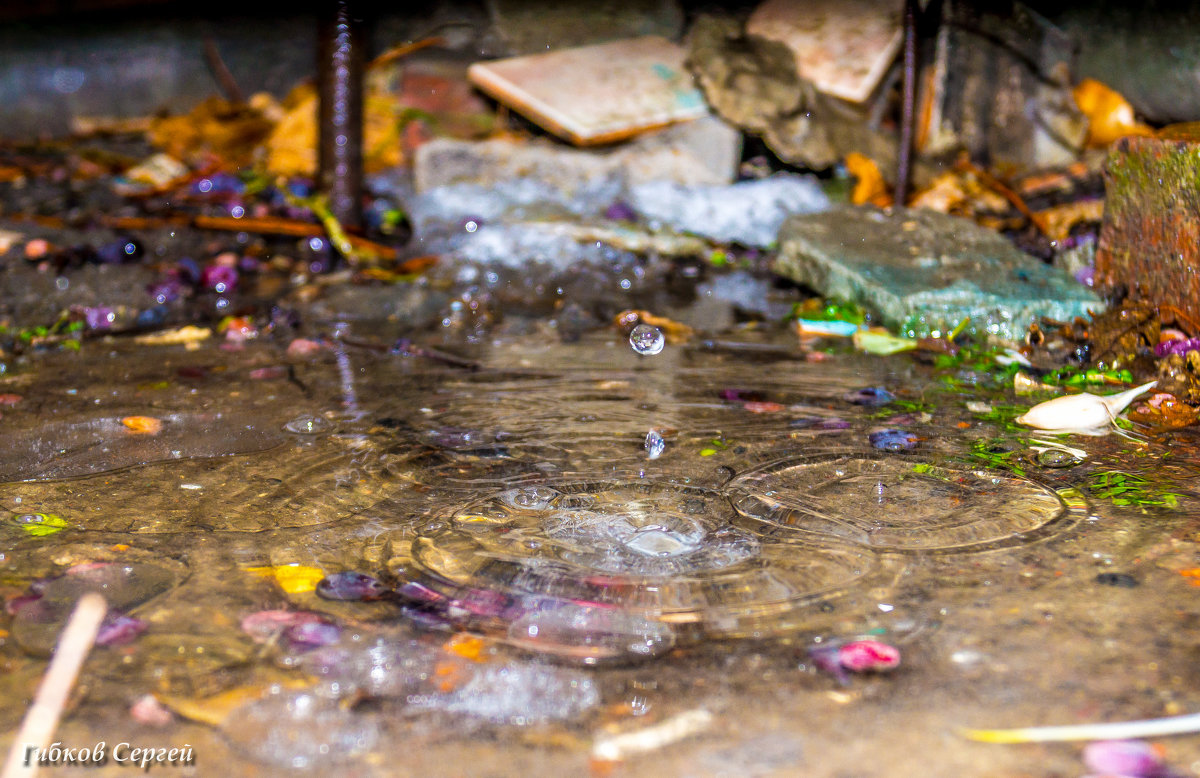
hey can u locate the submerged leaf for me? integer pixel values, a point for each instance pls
(293, 579)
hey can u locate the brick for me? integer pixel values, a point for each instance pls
(1150, 238)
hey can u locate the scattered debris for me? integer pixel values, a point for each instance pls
(621, 746)
(1120, 730)
(842, 48)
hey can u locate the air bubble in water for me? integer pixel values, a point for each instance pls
(533, 498)
(307, 425)
(654, 444)
(591, 634)
(299, 730)
(523, 694)
(647, 340)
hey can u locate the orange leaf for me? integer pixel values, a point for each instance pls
(466, 646)
(870, 187)
(1110, 116)
(143, 425)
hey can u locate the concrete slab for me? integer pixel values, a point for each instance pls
(923, 271)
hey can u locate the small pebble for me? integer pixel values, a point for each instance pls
(862, 656)
(1128, 758)
(1056, 458)
(36, 249)
(268, 373)
(350, 585)
(302, 348)
(262, 626)
(117, 630)
(148, 711)
(1178, 346)
(893, 440)
(870, 396)
(858, 656)
(1123, 580)
(308, 635)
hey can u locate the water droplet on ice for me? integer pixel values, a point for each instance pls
(647, 340)
(654, 444)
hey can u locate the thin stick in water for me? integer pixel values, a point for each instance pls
(41, 720)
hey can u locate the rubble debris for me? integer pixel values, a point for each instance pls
(923, 272)
(617, 747)
(842, 47)
(753, 83)
(1000, 89)
(596, 94)
(748, 212)
(704, 151)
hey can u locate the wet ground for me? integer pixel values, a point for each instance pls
(546, 584)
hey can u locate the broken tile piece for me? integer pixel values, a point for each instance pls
(844, 47)
(596, 94)
(1150, 239)
(924, 271)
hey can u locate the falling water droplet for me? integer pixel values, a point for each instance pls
(654, 444)
(647, 340)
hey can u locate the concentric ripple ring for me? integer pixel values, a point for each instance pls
(902, 504)
(671, 553)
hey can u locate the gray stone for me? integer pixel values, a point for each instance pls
(533, 26)
(748, 212)
(753, 83)
(704, 151)
(923, 271)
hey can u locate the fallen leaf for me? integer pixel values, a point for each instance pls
(675, 332)
(184, 335)
(293, 578)
(869, 186)
(143, 425)
(215, 709)
(1110, 116)
(466, 646)
(882, 342)
(1059, 220)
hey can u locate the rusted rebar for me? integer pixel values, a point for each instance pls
(908, 104)
(340, 60)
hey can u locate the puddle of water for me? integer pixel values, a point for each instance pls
(544, 580)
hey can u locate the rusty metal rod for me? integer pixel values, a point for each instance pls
(340, 58)
(908, 104)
